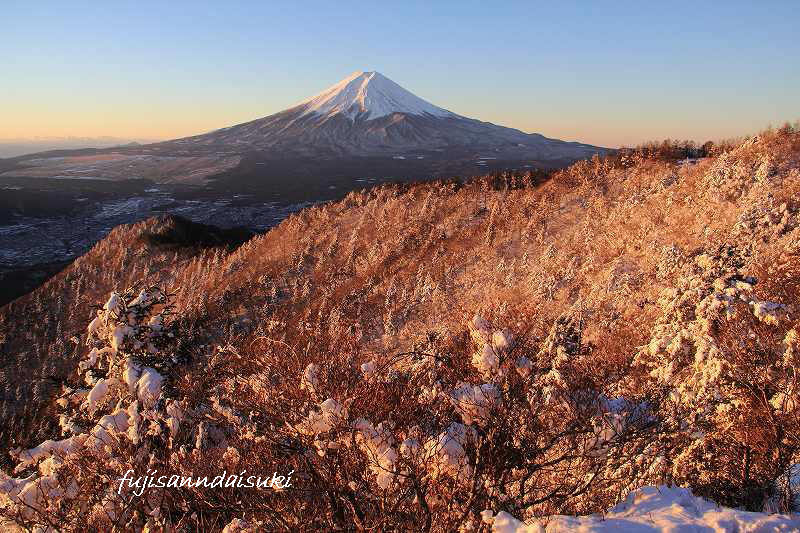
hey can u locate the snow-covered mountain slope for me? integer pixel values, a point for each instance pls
(365, 125)
(367, 114)
(370, 93)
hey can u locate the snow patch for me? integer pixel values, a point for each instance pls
(651, 509)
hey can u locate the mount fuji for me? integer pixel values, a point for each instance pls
(366, 129)
(367, 114)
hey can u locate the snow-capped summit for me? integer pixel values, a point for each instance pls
(372, 94)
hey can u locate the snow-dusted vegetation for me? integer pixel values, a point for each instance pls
(613, 349)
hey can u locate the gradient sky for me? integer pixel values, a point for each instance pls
(606, 73)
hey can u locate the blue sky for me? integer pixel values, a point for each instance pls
(607, 73)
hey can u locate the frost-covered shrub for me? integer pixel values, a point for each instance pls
(118, 415)
(510, 426)
(722, 387)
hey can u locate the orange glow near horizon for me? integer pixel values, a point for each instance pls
(169, 120)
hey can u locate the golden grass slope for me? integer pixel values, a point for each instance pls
(615, 276)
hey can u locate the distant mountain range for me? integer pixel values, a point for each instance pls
(15, 147)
